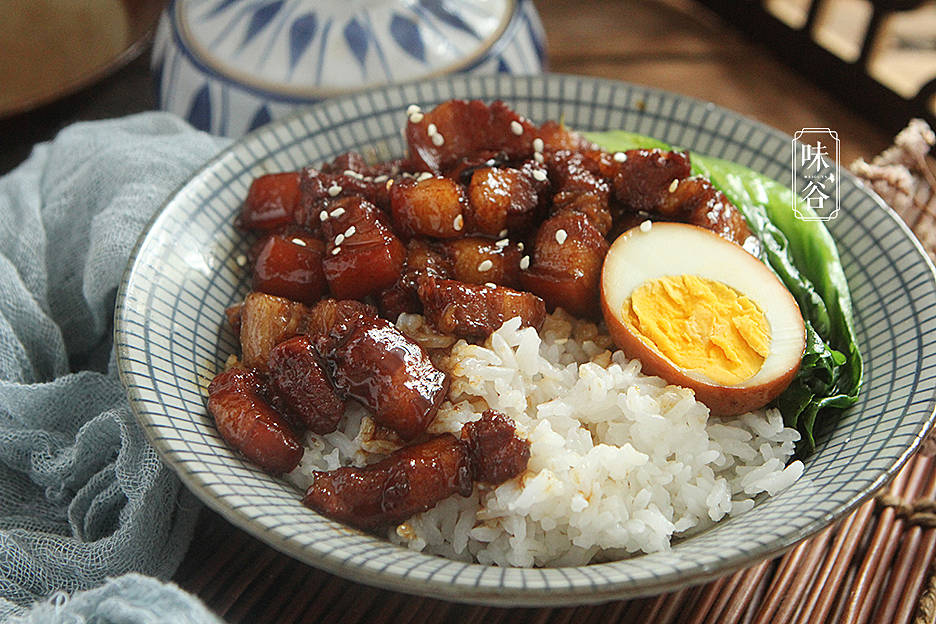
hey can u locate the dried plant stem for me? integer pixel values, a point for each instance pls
(881, 550)
(926, 609)
(814, 551)
(832, 572)
(672, 604)
(731, 586)
(665, 607)
(741, 598)
(759, 590)
(909, 547)
(786, 572)
(707, 596)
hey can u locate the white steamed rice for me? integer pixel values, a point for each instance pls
(620, 462)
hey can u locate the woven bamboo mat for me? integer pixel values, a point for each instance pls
(874, 566)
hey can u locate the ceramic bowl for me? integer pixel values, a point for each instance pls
(229, 66)
(172, 337)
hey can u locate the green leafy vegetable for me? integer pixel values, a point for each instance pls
(803, 255)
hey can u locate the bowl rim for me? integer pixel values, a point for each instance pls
(499, 595)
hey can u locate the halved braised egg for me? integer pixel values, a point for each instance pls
(701, 312)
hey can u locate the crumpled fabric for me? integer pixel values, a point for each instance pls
(129, 599)
(83, 495)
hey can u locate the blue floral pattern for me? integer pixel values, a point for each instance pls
(265, 57)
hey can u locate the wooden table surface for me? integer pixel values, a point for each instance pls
(670, 44)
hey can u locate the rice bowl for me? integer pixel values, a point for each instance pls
(171, 338)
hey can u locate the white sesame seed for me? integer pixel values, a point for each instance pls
(645, 226)
(561, 236)
(389, 183)
(538, 145)
(431, 129)
(490, 284)
(458, 223)
(516, 127)
(334, 189)
(438, 140)
(538, 157)
(241, 260)
(425, 175)
(502, 233)
(339, 239)
(416, 117)
(337, 212)
(520, 245)
(525, 262)
(539, 174)
(323, 216)
(380, 179)
(412, 108)
(620, 157)
(350, 232)
(673, 185)
(502, 243)
(486, 265)
(299, 241)
(351, 173)
(335, 251)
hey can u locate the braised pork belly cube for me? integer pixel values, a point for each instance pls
(233, 315)
(644, 176)
(428, 206)
(271, 202)
(249, 423)
(496, 452)
(695, 200)
(289, 264)
(477, 260)
(475, 311)
(457, 129)
(409, 481)
(579, 189)
(362, 255)
(265, 321)
(557, 136)
(465, 167)
(566, 264)
(353, 162)
(330, 320)
(319, 191)
(503, 198)
(423, 258)
(390, 374)
(302, 386)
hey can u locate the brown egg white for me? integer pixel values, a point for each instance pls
(701, 312)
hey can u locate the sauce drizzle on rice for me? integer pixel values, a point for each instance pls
(620, 463)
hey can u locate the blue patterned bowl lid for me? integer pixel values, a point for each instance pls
(326, 47)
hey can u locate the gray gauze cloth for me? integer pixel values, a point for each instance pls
(83, 496)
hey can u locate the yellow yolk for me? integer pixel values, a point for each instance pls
(700, 325)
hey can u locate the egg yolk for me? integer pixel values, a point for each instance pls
(700, 325)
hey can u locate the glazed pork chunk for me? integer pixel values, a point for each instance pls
(415, 478)
(474, 310)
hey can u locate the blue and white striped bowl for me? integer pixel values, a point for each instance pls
(230, 66)
(172, 337)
